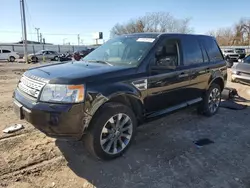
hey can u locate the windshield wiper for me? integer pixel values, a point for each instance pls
(100, 61)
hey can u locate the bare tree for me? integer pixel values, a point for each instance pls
(238, 34)
(153, 22)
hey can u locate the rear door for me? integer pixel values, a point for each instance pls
(196, 60)
(51, 54)
(212, 56)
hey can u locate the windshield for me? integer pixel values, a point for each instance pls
(122, 51)
(247, 59)
(39, 52)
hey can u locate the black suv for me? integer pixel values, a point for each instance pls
(123, 83)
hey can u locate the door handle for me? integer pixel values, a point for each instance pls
(183, 74)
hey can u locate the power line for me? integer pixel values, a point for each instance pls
(37, 30)
(6, 31)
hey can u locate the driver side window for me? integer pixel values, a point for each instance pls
(168, 54)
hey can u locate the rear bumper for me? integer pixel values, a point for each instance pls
(66, 121)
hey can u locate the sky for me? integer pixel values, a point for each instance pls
(61, 20)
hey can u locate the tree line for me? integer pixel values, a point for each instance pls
(153, 22)
(237, 34)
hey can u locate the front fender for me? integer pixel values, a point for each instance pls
(97, 96)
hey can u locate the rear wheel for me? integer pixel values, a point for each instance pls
(12, 59)
(211, 101)
(56, 58)
(111, 131)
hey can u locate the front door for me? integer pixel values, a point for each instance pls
(167, 87)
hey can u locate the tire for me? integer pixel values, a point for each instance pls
(56, 58)
(12, 59)
(34, 59)
(205, 108)
(100, 130)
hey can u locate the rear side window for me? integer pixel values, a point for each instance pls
(212, 49)
(192, 51)
(204, 53)
(6, 51)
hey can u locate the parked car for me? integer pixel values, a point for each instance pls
(65, 57)
(47, 54)
(230, 54)
(83, 53)
(241, 52)
(123, 83)
(241, 71)
(8, 55)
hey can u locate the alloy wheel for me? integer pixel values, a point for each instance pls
(116, 134)
(214, 100)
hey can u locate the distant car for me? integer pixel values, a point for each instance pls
(241, 52)
(65, 57)
(8, 55)
(230, 54)
(241, 71)
(85, 52)
(47, 54)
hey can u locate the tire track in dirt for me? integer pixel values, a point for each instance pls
(34, 169)
(25, 150)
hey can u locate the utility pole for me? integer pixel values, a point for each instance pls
(64, 41)
(41, 38)
(78, 39)
(24, 30)
(37, 31)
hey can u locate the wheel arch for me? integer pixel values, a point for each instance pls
(217, 80)
(126, 99)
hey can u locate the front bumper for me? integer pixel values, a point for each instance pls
(241, 78)
(67, 121)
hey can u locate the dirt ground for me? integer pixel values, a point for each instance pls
(163, 155)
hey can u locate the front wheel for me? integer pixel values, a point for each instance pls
(34, 59)
(111, 131)
(211, 101)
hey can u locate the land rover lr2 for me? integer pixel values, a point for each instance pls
(123, 83)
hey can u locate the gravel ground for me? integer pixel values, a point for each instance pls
(163, 155)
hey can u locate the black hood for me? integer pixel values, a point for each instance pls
(78, 72)
(243, 67)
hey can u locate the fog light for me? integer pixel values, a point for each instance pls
(54, 120)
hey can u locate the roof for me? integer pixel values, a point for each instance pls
(157, 34)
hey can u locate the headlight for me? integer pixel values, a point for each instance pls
(62, 93)
(234, 71)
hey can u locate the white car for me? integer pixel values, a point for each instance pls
(8, 55)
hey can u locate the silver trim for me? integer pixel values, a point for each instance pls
(30, 86)
(141, 84)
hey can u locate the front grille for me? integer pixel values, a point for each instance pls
(234, 56)
(30, 87)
